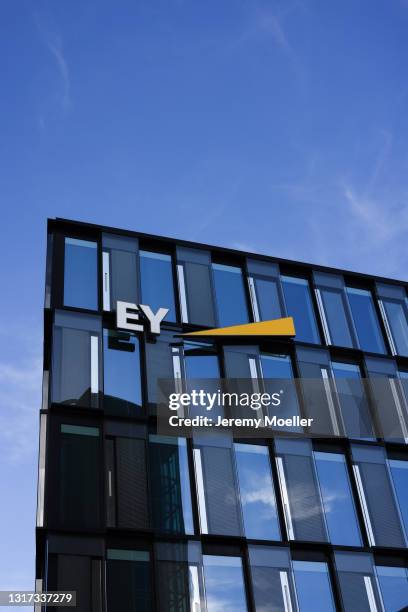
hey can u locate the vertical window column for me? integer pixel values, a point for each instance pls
(357, 581)
(265, 290)
(230, 295)
(224, 584)
(377, 497)
(81, 273)
(393, 303)
(313, 587)
(128, 582)
(122, 394)
(393, 583)
(76, 360)
(272, 579)
(157, 283)
(299, 305)
(119, 270)
(365, 320)
(334, 309)
(195, 286)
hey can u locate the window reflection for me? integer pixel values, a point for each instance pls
(80, 274)
(399, 473)
(224, 584)
(122, 392)
(365, 320)
(397, 317)
(128, 580)
(258, 502)
(394, 587)
(337, 499)
(352, 400)
(156, 278)
(336, 317)
(230, 295)
(299, 306)
(313, 586)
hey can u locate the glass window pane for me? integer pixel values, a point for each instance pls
(128, 581)
(76, 359)
(230, 295)
(80, 274)
(156, 278)
(336, 317)
(170, 485)
(79, 477)
(377, 497)
(394, 587)
(299, 490)
(353, 400)
(119, 268)
(280, 367)
(299, 306)
(257, 493)
(272, 580)
(357, 582)
(337, 499)
(121, 360)
(399, 473)
(365, 320)
(267, 296)
(224, 584)
(397, 319)
(313, 586)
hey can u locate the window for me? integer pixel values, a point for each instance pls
(119, 270)
(377, 498)
(313, 586)
(121, 382)
(224, 584)
(217, 490)
(80, 274)
(230, 295)
(126, 478)
(265, 290)
(365, 320)
(358, 585)
(179, 583)
(352, 400)
(156, 278)
(76, 360)
(399, 473)
(299, 491)
(387, 391)
(279, 367)
(272, 579)
(257, 493)
(299, 306)
(195, 286)
(128, 580)
(159, 365)
(79, 477)
(334, 309)
(170, 485)
(340, 513)
(394, 587)
(394, 309)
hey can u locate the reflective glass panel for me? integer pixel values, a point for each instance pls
(224, 584)
(80, 274)
(267, 295)
(365, 320)
(313, 586)
(337, 499)
(336, 317)
(257, 493)
(156, 278)
(397, 319)
(170, 485)
(122, 392)
(128, 581)
(399, 473)
(394, 587)
(353, 400)
(230, 295)
(299, 306)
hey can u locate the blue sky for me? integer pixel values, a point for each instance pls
(278, 127)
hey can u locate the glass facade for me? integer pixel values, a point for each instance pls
(286, 522)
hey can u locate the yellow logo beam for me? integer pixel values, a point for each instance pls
(275, 327)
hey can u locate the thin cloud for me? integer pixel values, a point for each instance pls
(53, 42)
